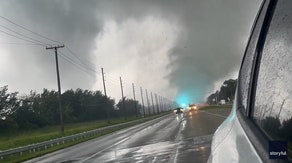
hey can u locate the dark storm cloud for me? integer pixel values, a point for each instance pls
(209, 46)
(211, 43)
(73, 23)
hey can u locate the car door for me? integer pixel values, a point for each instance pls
(265, 98)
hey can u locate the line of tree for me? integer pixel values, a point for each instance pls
(226, 92)
(39, 110)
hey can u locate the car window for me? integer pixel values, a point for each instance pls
(245, 72)
(273, 98)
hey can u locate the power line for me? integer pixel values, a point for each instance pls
(23, 35)
(78, 58)
(18, 43)
(80, 67)
(21, 38)
(69, 61)
(40, 42)
(85, 66)
(29, 30)
(82, 64)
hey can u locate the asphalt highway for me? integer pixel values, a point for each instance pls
(171, 139)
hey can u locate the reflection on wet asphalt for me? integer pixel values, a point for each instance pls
(184, 151)
(173, 138)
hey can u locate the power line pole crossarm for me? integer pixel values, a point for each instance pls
(59, 85)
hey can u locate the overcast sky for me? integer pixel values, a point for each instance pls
(180, 49)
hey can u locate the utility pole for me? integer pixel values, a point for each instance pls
(135, 99)
(103, 81)
(147, 102)
(168, 106)
(161, 98)
(123, 99)
(164, 105)
(152, 103)
(157, 107)
(142, 101)
(159, 101)
(59, 85)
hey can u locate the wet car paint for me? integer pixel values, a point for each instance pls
(231, 144)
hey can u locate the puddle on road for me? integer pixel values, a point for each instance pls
(191, 149)
(138, 154)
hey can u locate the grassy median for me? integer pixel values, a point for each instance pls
(22, 138)
(216, 107)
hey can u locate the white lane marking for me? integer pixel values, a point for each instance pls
(154, 159)
(176, 154)
(119, 142)
(218, 115)
(177, 140)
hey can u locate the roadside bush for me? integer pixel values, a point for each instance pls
(7, 125)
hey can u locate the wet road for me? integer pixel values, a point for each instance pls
(172, 138)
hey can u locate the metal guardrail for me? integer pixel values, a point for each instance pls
(62, 140)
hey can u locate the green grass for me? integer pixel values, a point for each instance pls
(17, 139)
(216, 107)
(27, 155)
(22, 138)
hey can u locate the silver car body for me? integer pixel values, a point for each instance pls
(230, 140)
